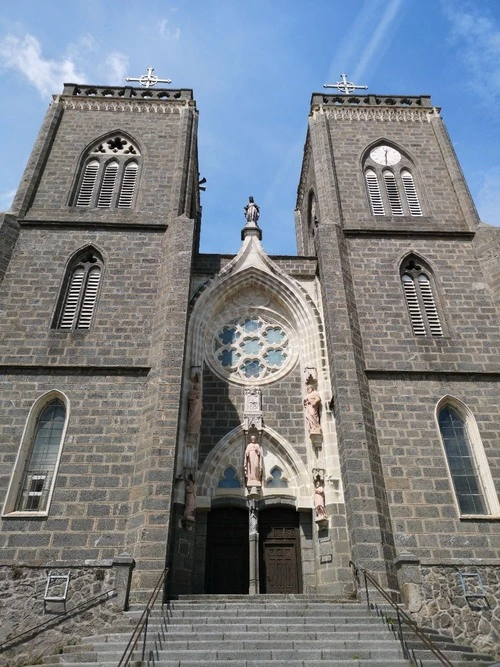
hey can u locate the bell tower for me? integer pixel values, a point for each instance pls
(107, 218)
(383, 205)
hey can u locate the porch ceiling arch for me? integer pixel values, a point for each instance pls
(229, 452)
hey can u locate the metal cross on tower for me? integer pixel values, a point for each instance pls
(344, 86)
(149, 79)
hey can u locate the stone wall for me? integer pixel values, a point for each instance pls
(22, 589)
(474, 621)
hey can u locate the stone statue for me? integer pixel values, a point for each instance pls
(195, 407)
(252, 211)
(189, 500)
(319, 499)
(253, 463)
(312, 404)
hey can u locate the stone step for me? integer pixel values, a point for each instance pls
(372, 662)
(311, 653)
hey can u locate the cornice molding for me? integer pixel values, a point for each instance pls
(133, 106)
(386, 114)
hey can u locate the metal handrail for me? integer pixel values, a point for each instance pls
(403, 618)
(54, 620)
(142, 624)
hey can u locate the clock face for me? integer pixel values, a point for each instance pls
(385, 155)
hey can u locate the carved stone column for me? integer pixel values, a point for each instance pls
(253, 542)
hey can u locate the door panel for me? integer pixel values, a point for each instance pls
(227, 551)
(280, 570)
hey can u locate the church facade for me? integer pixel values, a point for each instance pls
(253, 423)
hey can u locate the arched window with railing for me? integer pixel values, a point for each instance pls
(33, 479)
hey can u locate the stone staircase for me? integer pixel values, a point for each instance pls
(259, 631)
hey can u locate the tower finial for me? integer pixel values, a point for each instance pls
(344, 86)
(149, 79)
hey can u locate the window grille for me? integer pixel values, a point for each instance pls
(462, 463)
(374, 193)
(109, 179)
(79, 304)
(42, 459)
(411, 193)
(393, 193)
(420, 301)
(88, 183)
(128, 185)
(108, 185)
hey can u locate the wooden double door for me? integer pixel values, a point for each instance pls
(227, 562)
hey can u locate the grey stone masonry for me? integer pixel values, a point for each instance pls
(122, 376)
(386, 381)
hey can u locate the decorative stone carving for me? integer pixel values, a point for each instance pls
(252, 211)
(195, 407)
(253, 463)
(319, 501)
(252, 414)
(312, 405)
(189, 501)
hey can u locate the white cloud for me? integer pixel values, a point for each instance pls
(369, 35)
(478, 38)
(378, 38)
(114, 69)
(6, 199)
(488, 197)
(167, 32)
(25, 56)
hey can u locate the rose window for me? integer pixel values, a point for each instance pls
(251, 349)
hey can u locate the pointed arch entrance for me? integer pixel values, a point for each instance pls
(227, 567)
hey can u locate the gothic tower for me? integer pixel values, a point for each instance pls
(412, 333)
(94, 307)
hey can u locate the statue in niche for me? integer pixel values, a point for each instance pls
(195, 407)
(252, 211)
(189, 500)
(253, 463)
(319, 499)
(312, 404)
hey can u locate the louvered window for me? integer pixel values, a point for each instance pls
(110, 177)
(88, 183)
(420, 301)
(108, 185)
(411, 193)
(128, 185)
(79, 304)
(416, 319)
(374, 193)
(393, 193)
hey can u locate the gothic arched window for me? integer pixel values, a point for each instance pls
(467, 463)
(33, 479)
(80, 291)
(420, 300)
(389, 182)
(109, 175)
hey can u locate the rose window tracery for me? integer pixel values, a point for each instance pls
(251, 349)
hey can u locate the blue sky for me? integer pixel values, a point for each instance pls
(253, 65)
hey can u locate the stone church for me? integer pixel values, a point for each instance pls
(252, 422)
